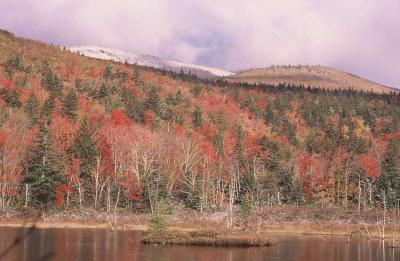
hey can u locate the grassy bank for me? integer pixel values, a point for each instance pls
(273, 220)
(207, 238)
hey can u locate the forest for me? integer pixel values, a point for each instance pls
(77, 133)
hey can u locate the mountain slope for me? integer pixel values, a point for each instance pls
(71, 124)
(149, 61)
(314, 76)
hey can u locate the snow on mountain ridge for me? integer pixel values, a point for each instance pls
(149, 61)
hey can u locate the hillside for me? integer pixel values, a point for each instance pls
(149, 61)
(306, 75)
(78, 132)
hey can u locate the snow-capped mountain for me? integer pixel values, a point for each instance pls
(149, 61)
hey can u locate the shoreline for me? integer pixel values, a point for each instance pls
(317, 229)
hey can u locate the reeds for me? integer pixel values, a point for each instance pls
(207, 238)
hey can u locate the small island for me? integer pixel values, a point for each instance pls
(207, 238)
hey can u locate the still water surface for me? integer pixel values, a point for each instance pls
(90, 244)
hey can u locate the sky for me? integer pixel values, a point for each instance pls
(357, 36)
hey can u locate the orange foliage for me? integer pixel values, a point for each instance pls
(369, 165)
(119, 118)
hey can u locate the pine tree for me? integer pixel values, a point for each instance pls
(14, 65)
(43, 169)
(48, 106)
(153, 101)
(103, 92)
(84, 148)
(388, 183)
(134, 109)
(70, 105)
(178, 97)
(107, 72)
(51, 82)
(197, 117)
(32, 108)
(11, 98)
(137, 78)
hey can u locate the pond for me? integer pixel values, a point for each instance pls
(103, 244)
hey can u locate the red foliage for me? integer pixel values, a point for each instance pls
(252, 145)
(74, 167)
(262, 105)
(148, 118)
(8, 84)
(106, 155)
(60, 191)
(369, 165)
(2, 138)
(179, 130)
(209, 131)
(388, 136)
(119, 118)
(209, 152)
(229, 144)
(310, 171)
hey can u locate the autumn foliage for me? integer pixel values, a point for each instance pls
(77, 132)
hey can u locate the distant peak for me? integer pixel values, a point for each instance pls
(107, 53)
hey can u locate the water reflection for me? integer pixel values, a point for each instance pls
(81, 244)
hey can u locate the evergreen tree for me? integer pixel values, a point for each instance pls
(13, 65)
(388, 183)
(32, 108)
(218, 142)
(107, 72)
(43, 169)
(178, 97)
(48, 106)
(137, 78)
(70, 105)
(197, 117)
(134, 109)
(51, 82)
(153, 101)
(84, 148)
(103, 92)
(11, 98)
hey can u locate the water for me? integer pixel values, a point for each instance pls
(102, 244)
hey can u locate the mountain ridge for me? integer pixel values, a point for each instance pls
(106, 53)
(309, 75)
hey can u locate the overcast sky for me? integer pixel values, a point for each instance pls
(358, 36)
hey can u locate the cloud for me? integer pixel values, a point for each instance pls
(358, 36)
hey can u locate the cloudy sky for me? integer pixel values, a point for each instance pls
(357, 36)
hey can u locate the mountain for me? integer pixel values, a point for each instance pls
(71, 125)
(307, 75)
(149, 61)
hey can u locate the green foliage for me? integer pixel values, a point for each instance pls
(11, 98)
(246, 208)
(85, 147)
(197, 117)
(388, 182)
(32, 108)
(196, 91)
(282, 103)
(70, 104)
(153, 101)
(107, 74)
(160, 216)
(48, 106)
(43, 171)
(103, 92)
(138, 79)
(134, 109)
(275, 151)
(51, 83)
(14, 65)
